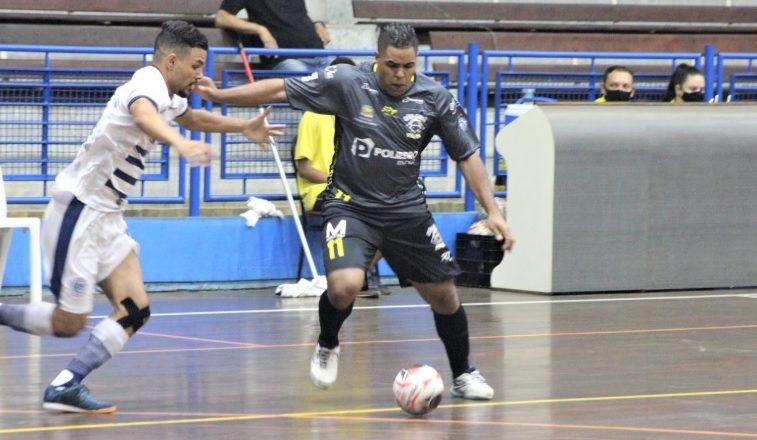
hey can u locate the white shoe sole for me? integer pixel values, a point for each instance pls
(51, 406)
(472, 396)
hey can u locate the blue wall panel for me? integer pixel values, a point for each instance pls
(219, 249)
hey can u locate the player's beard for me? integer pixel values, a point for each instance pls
(185, 92)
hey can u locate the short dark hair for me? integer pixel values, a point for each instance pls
(399, 35)
(616, 68)
(342, 60)
(178, 36)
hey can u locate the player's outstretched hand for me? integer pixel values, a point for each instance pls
(258, 130)
(205, 88)
(197, 153)
(502, 231)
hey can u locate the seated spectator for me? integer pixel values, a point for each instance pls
(314, 151)
(686, 85)
(274, 24)
(617, 85)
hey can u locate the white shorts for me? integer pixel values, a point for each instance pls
(80, 248)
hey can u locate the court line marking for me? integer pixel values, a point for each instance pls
(545, 425)
(315, 414)
(242, 345)
(416, 306)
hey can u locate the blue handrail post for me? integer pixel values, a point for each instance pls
(194, 172)
(471, 105)
(709, 71)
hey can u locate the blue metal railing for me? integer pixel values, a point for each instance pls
(55, 107)
(517, 70)
(243, 162)
(740, 70)
(51, 108)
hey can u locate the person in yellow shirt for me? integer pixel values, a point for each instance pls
(313, 153)
(617, 85)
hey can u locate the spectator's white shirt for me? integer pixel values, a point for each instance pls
(112, 159)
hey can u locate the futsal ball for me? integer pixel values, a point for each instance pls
(480, 227)
(418, 389)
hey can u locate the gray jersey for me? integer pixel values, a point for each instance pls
(379, 137)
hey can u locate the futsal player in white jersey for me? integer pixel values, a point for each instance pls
(84, 236)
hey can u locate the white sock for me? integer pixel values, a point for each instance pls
(38, 318)
(62, 378)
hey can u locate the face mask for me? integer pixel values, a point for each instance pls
(693, 97)
(617, 96)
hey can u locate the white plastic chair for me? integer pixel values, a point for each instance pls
(7, 224)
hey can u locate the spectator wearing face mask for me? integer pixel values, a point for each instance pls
(686, 85)
(617, 85)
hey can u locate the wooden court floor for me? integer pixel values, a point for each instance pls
(234, 365)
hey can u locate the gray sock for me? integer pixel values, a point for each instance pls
(35, 318)
(90, 356)
(107, 339)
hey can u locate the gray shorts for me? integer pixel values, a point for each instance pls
(411, 244)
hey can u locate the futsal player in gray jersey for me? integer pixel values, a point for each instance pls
(386, 114)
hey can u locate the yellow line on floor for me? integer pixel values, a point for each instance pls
(243, 417)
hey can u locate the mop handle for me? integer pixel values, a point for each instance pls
(297, 222)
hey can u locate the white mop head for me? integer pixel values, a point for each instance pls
(303, 288)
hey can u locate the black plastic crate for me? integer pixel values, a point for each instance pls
(483, 248)
(477, 256)
(472, 279)
(477, 266)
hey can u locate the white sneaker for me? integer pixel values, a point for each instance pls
(471, 385)
(324, 366)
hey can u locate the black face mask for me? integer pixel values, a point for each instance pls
(693, 97)
(617, 96)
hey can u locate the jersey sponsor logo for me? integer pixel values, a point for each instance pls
(362, 147)
(389, 110)
(365, 147)
(413, 100)
(366, 86)
(415, 124)
(311, 77)
(335, 239)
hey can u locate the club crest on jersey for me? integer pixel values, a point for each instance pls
(329, 72)
(415, 124)
(78, 286)
(366, 111)
(389, 110)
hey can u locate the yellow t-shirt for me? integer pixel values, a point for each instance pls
(315, 142)
(601, 100)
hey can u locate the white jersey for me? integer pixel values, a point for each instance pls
(112, 159)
